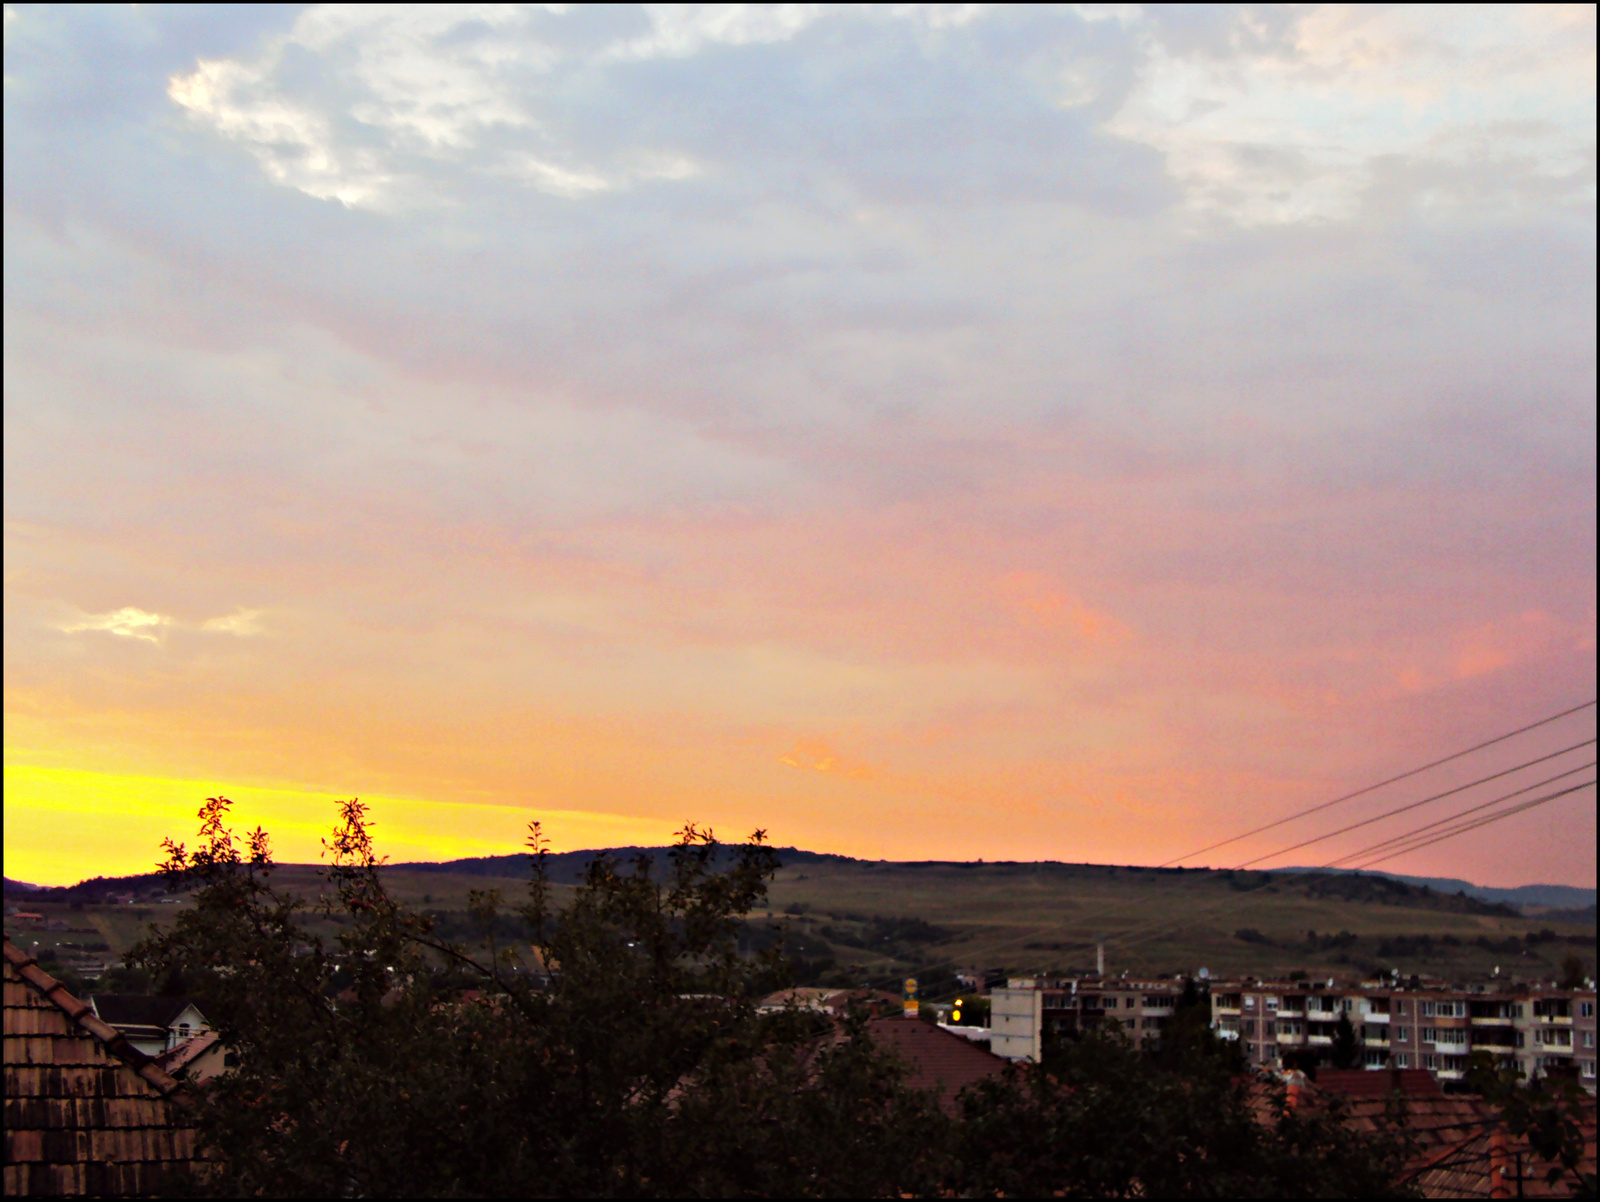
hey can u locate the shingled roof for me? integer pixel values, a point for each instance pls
(85, 1111)
(1493, 1163)
(936, 1059)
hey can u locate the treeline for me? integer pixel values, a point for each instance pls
(643, 1066)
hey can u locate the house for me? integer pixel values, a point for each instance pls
(197, 1059)
(937, 1059)
(832, 1001)
(152, 1024)
(86, 1113)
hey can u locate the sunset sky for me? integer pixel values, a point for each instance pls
(922, 431)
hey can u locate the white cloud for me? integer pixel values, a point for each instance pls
(1293, 125)
(243, 622)
(128, 622)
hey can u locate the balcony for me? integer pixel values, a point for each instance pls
(1320, 1041)
(1322, 1016)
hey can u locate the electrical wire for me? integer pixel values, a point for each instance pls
(1380, 784)
(1478, 822)
(1271, 855)
(1549, 780)
(1123, 939)
(1139, 937)
(1136, 938)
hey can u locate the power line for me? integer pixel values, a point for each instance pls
(1123, 939)
(1413, 805)
(1391, 780)
(1137, 937)
(1477, 822)
(1379, 846)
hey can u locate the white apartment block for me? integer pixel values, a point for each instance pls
(1435, 1028)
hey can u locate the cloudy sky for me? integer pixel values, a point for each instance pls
(918, 430)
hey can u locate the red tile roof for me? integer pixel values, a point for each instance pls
(174, 1061)
(1492, 1163)
(937, 1059)
(1463, 1150)
(85, 1111)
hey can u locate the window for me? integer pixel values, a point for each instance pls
(1586, 1009)
(1400, 1007)
(1516, 1010)
(1402, 1035)
(1269, 1028)
(1431, 1062)
(1402, 1061)
(1588, 1039)
(1588, 1069)
(1272, 1003)
(1428, 1009)
(1249, 1002)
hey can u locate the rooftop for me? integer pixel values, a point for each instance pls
(86, 1112)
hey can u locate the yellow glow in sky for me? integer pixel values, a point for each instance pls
(62, 825)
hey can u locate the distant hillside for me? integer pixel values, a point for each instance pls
(1563, 896)
(568, 867)
(1564, 903)
(1585, 915)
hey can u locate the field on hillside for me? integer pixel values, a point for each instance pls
(853, 922)
(1044, 917)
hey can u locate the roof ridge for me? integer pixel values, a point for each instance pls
(82, 1014)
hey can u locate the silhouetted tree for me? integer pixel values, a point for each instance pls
(643, 1067)
(1346, 1050)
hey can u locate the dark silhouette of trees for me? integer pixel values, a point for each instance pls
(1346, 1050)
(612, 1046)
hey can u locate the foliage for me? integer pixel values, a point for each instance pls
(1099, 1119)
(1572, 973)
(643, 1069)
(1547, 1112)
(1346, 1050)
(614, 1048)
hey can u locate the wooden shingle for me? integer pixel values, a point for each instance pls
(85, 1111)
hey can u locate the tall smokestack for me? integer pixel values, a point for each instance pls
(1099, 955)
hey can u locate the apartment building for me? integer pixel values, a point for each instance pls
(1030, 1010)
(1436, 1028)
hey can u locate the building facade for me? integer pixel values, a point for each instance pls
(1535, 1029)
